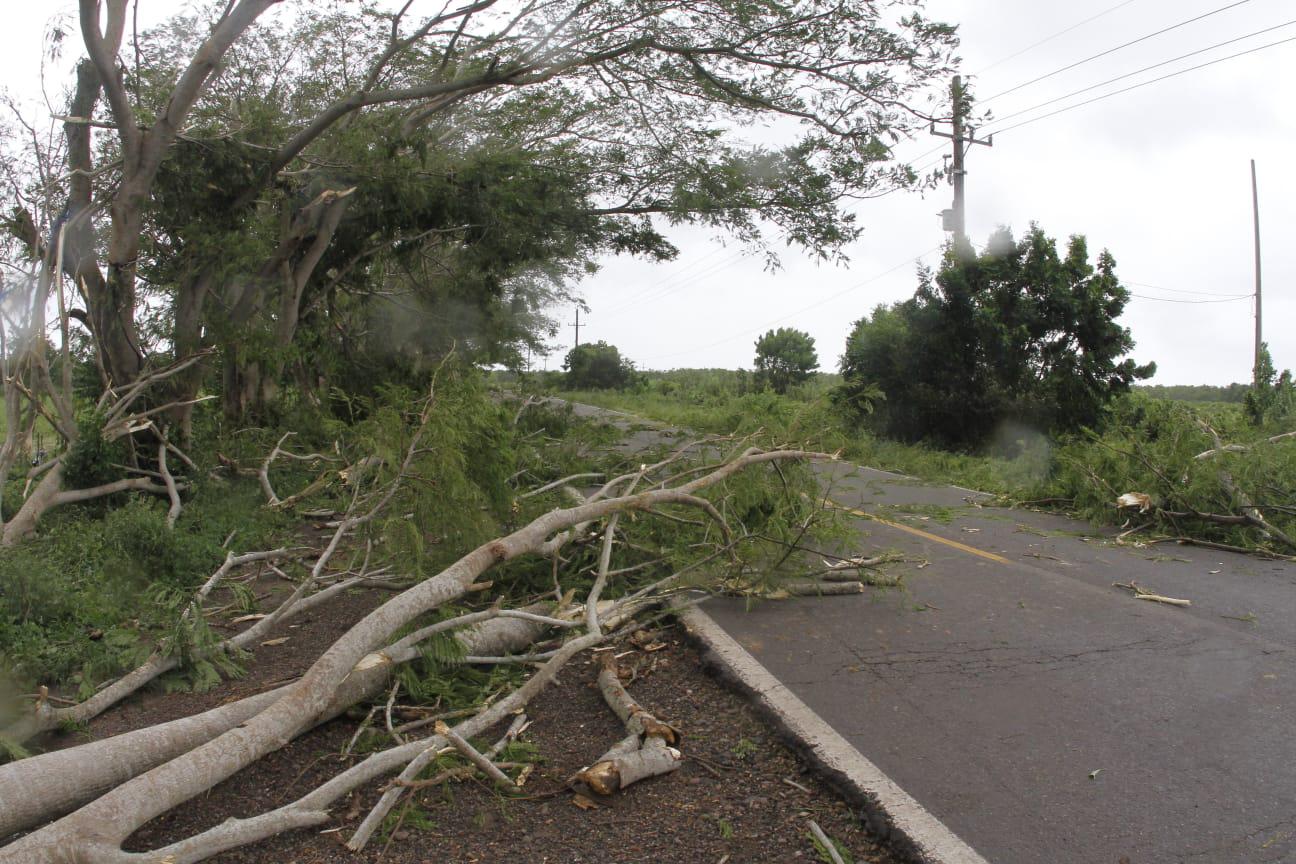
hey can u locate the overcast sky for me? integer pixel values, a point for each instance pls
(1159, 176)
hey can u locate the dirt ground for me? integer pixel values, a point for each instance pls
(739, 796)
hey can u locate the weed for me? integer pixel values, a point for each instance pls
(822, 851)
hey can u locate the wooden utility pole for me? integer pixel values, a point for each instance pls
(1255, 214)
(955, 219)
(577, 326)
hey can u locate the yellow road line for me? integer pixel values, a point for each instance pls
(918, 532)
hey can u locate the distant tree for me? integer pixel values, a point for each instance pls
(597, 366)
(785, 357)
(1015, 333)
(1272, 397)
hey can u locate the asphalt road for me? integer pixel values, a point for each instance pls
(1042, 714)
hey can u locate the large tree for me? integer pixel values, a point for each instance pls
(635, 96)
(272, 190)
(785, 357)
(597, 366)
(1016, 333)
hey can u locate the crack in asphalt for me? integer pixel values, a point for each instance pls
(1278, 844)
(960, 659)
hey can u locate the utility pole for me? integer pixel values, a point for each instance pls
(955, 219)
(577, 326)
(1255, 213)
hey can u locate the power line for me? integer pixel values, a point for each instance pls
(1184, 290)
(1053, 36)
(656, 292)
(1114, 50)
(1180, 300)
(1142, 84)
(1144, 69)
(655, 286)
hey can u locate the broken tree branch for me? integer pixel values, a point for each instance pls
(408, 780)
(647, 750)
(1240, 448)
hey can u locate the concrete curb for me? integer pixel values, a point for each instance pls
(889, 811)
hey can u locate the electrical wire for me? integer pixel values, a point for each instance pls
(1139, 72)
(1232, 296)
(1053, 36)
(1143, 84)
(1123, 45)
(1191, 302)
(661, 290)
(640, 296)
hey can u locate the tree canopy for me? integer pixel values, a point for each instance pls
(1016, 333)
(294, 203)
(597, 366)
(785, 357)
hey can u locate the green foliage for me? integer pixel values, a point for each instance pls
(825, 855)
(1194, 392)
(597, 366)
(1016, 335)
(1150, 446)
(90, 460)
(1272, 397)
(1147, 445)
(91, 595)
(785, 357)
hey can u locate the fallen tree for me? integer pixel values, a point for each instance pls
(185, 758)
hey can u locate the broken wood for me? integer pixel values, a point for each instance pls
(1141, 594)
(338, 679)
(647, 750)
(407, 779)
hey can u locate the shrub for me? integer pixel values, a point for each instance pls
(597, 366)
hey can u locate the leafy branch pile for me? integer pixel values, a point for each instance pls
(554, 569)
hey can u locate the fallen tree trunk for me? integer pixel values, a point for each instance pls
(40, 788)
(96, 831)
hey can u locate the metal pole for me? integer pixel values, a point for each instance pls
(1255, 211)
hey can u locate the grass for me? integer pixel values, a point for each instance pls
(811, 419)
(70, 608)
(1146, 445)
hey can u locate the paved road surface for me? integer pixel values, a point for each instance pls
(1045, 716)
(1042, 714)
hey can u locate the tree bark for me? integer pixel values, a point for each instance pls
(97, 830)
(40, 788)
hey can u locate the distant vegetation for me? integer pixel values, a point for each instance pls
(1147, 445)
(597, 366)
(1195, 392)
(785, 357)
(1016, 335)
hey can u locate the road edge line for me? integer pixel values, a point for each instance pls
(890, 812)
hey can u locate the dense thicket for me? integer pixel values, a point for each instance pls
(1017, 334)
